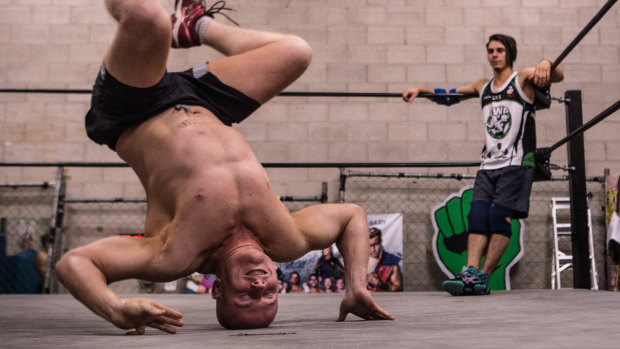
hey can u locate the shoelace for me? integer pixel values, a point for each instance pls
(217, 7)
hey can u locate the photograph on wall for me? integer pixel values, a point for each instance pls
(323, 271)
(385, 263)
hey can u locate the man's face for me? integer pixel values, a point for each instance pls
(248, 288)
(375, 246)
(294, 279)
(496, 54)
(313, 281)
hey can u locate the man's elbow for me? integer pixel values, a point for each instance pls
(67, 265)
(557, 76)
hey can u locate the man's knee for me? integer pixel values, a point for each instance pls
(298, 51)
(139, 14)
(478, 218)
(498, 224)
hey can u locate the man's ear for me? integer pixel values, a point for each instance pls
(216, 292)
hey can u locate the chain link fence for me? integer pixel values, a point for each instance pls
(415, 196)
(26, 212)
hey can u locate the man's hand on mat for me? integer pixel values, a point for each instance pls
(360, 303)
(139, 313)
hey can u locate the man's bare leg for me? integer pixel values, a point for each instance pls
(497, 245)
(476, 243)
(139, 52)
(259, 64)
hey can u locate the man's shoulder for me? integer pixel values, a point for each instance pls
(389, 259)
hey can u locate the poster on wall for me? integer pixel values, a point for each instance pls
(450, 239)
(612, 211)
(323, 271)
(385, 263)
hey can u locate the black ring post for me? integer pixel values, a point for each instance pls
(578, 195)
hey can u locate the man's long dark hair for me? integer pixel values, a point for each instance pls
(509, 43)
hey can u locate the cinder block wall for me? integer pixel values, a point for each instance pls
(358, 45)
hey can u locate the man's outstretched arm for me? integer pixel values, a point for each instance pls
(347, 225)
(87, 270)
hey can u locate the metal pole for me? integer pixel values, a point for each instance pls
(583, 32)
(50, 284)
(578, 195)
(342, 189)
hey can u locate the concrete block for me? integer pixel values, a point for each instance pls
(16, 14)
(367, 131)
(347, 73)
(426, 34)
(444, 16)
(406, 54)
(308, 152)
(51, 14)
(391, 111)
(464, 35)
(367, 54)
(327, 131)
(348, 152)
(581, 73)
(407, 131)
(428, 151)
(611, 74)
(340, 112)
(477, 16)
(367, 15)
(47, 131)
(445, 54)
(388, 152)
(287, 132)
(298, 112)
(346, 34)
(103, 190)
(387, 73)
(440, 131)
(612, 151)
(119, 175)
(271, 152)
(393, 35)
(430, 73)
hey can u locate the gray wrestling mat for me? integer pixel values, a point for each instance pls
(515, 319)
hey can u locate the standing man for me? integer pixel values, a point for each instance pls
(503, 184)
(211, 208)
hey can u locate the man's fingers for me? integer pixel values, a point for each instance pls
(164, 310)
(381, 314)
(138, 331)
(163, 327)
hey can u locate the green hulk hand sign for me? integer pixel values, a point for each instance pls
(450, 240)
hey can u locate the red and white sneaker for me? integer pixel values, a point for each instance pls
(187, 13)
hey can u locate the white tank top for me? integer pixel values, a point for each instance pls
(510, 130)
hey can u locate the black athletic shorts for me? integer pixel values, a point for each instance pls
(115, 107)
(508, 186)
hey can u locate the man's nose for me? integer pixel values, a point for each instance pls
(258, 283)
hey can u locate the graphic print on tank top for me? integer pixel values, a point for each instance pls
(506, 113)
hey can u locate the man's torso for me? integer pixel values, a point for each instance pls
(203, 185)
(509, 125)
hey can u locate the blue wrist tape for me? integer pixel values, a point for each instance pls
(443, 100)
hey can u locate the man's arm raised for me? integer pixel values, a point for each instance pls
(347, 225)
(87, 270)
